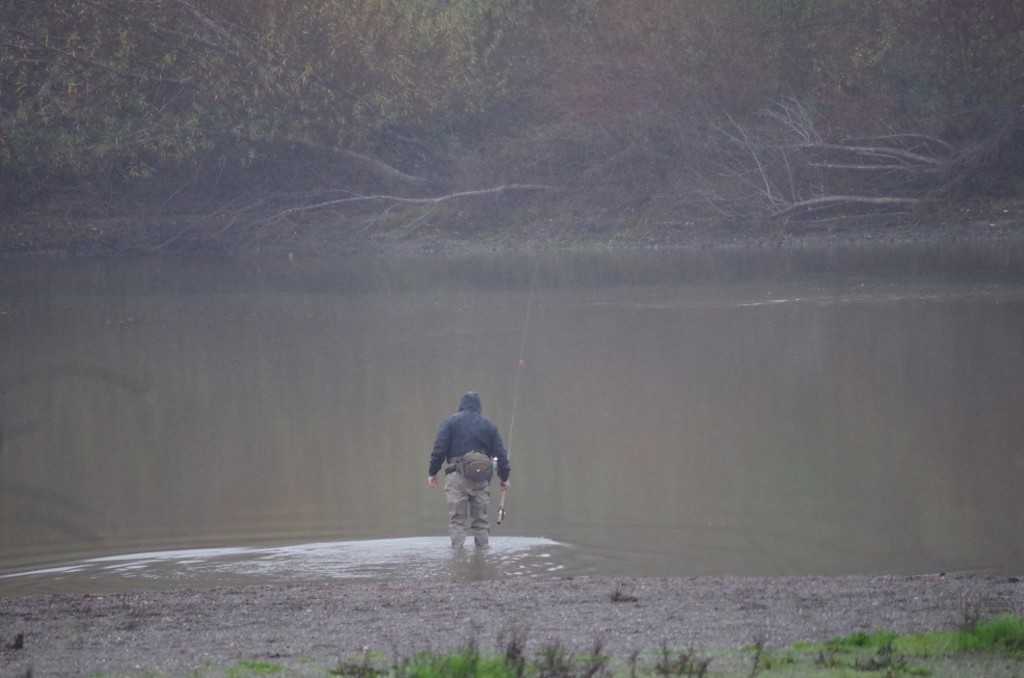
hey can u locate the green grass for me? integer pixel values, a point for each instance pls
(990, 648)
(253, 667)
(1002, 635)
(993, 648)
(996, 642)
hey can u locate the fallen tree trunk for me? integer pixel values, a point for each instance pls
(382, 169)
(417, 201)
(834, 200)
(787, 169)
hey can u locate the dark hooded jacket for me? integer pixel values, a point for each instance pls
(468, 431)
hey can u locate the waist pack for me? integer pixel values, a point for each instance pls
(475, 466)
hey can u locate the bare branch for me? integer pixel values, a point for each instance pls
(784, 168)
(831, 200)
(796, 118)
(905, 137)
(756, 158)
(876, 168)
(382, 169)
(419, 201)
(880, 151)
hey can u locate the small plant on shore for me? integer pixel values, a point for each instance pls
(881, 652)
(970, 610)
(355, 669)
(891, 652)
(884, 659)
(1003, 634)
(759, 642)
(671, 663)
(552, 662)
(515, 649)
(253, 667)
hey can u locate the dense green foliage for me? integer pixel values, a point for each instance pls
(737, 108)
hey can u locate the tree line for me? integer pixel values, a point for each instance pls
(276, 113)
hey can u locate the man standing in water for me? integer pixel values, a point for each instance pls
(469, 441)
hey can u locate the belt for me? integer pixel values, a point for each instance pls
(453, 461)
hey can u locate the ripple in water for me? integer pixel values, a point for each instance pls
(408, 559)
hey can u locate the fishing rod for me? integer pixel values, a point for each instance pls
(520, 364)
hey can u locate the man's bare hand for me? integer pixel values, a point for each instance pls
(432, 481)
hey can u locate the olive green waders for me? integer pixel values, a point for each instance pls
(467, 499)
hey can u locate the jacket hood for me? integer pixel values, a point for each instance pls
(470, 401)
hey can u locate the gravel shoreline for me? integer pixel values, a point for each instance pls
(177, 632)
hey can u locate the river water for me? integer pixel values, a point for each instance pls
(851, 411)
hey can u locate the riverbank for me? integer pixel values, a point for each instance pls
(35, 236)
(307, 629)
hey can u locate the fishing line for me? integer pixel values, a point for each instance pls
(519, 373)
(522, 352)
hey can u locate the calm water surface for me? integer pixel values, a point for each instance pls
(189, 422)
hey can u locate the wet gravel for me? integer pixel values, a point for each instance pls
(303, 626)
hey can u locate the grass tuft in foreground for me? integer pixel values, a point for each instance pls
(991, 648)
(888, 653)
(1003, 635)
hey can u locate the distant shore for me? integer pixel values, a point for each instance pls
(304, 625)
(990, 221)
